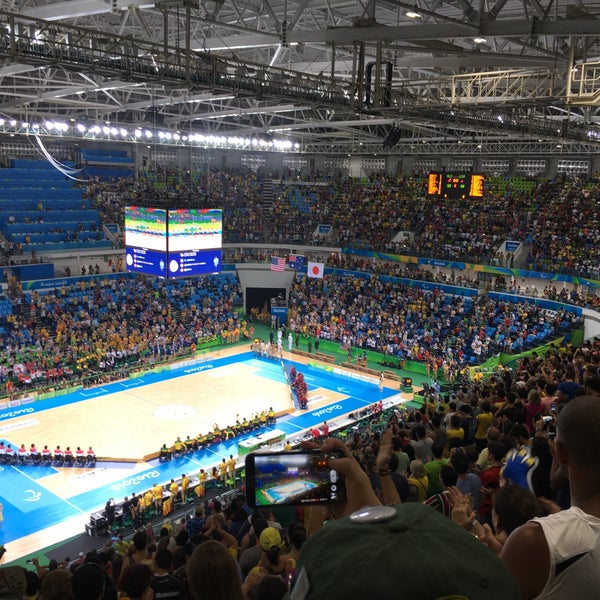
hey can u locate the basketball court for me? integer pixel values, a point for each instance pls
(281, 493)
(127, 421)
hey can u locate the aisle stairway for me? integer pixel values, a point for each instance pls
(267, 197)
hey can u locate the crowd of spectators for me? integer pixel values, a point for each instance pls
(483, 457)
(102, 326)
(396, 319)
(201, 556)
(452, 277)
(556, 220)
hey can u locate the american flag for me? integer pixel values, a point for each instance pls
(295, 261)
(277, 263)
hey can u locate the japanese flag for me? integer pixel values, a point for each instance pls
(315, 269)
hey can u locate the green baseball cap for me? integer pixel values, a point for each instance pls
(403, 552)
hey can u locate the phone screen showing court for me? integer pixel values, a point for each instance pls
(294, 479)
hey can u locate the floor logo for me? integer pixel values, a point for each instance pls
(34, 496)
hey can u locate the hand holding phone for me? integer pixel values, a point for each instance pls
(292, 478)
(359, 492)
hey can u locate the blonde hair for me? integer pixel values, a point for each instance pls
(417, 468)
(534, 397)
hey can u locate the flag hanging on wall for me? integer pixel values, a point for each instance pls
(295, 261)
(277, 263)
(315, 269)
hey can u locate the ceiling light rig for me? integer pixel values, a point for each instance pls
(103, 131)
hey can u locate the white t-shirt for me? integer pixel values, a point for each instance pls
(573, 539)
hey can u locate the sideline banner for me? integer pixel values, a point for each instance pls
(281, 312)
(558, 277)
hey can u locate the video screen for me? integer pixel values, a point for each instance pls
(195, 229)
(173, 242)
(146, 240)
(146, 227)
(291, 478)
(147, 262)
(195, 240)
(195, 262)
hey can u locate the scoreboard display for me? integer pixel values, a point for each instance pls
(455, 185)
(173, 242)
(194, 240)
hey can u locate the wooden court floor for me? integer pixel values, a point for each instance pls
(133, 423)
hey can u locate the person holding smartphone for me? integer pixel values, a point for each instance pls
(369, 550)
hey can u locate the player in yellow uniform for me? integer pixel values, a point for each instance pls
(231, 467)
(148, 500)
(237, 428)
(200, 489)
(173, 491)
(185, 486)
(157, 493)
(178, 446)
(189, 444)
(167, 507)
(223, 471)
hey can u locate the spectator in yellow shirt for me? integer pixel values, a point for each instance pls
(157, 493)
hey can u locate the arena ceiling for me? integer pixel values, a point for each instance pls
(493, 76)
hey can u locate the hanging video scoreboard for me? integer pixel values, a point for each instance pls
(173, 242)
(455, 185)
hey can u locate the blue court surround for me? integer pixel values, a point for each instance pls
(29, 507)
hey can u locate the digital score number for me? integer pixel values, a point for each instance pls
(434, 184)
(476, 187)
(455, 185)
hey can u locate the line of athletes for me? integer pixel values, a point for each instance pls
(34, 456)
(164, 498)
(217, 435)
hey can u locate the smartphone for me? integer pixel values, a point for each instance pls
(553, 407)
(292, 478)
(547, 419)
